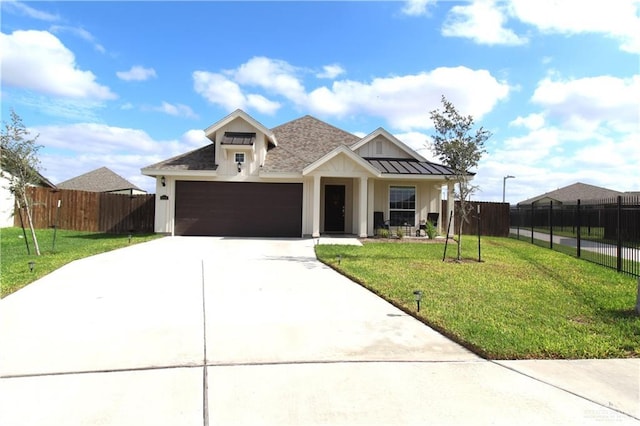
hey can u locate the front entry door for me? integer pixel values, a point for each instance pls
(334, 208)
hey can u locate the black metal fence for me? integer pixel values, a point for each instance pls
(606, 232)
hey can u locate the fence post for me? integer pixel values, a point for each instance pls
(578, 229)
(531, 223)
(551, 224)
(619, 232)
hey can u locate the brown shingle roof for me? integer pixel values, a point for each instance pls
(198, 159)
(572, 193)
(303, 141)
(99, 180)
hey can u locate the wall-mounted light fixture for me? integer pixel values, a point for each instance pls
(239, 166)
(163, 181)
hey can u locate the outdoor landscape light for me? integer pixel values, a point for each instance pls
(339, 259)
(32, 264)
(129, 238)
(163, 181)
(418, 296)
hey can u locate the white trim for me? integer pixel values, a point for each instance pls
(246, 117)
(180, 173)
(349, 153)
(415, 202)
(382, 132)
(235, 157)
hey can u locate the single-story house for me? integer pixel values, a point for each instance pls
(571, 194)
(7, 199)
(101, 180)
(302, 178)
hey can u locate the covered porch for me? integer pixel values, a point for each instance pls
(345, 194)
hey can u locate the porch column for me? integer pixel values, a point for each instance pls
(315, 206)
(362, 210)
(451, 202)
(370, 188)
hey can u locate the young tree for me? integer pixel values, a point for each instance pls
(20, 164)
(455, 144)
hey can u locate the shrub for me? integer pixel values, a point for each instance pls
(431, 230)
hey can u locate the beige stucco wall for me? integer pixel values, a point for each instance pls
(428, 197)
(254, 155)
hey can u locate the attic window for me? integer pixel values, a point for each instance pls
(238, 138)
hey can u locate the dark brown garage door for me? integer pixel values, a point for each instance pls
(239, 209)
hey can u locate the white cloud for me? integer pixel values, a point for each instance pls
(405, 101)
(592, 101)
(482, 21)
(136, 73)
(531, 121)
(23, 9)
(416, 7)
(272, 75)
(79, 32)
(331, 71)
(222, 91)
(262, 104)
(38, 61)
(619, 19)
(70, 150)
(177, 110)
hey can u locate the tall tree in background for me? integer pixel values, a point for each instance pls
(20, 164)
(458, 147)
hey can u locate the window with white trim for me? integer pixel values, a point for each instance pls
(239, 157)
(402, 205)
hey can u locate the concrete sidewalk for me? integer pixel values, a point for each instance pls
(199, 331)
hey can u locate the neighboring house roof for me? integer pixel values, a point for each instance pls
(572, 193)
(42, 181)
(99, 180)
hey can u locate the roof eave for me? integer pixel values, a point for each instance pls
(246, 117)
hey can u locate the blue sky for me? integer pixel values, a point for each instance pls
(127, 84)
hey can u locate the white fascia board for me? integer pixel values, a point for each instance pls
(246, 117)
(382, 132)
(194, 173)
(341, 150)
(294, 176)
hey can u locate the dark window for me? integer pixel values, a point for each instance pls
(402, 205)
(239, 157)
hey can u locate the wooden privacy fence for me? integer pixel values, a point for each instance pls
(494, 219)
(91, 211)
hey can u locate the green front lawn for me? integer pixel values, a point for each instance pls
(70, 245)
(521, 302)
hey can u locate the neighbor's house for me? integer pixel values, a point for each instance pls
(302, 178)
(7, 200)
(571, 194)
(101, 180)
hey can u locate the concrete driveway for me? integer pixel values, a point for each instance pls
(211, 331)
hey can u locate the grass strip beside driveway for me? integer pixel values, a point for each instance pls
(70, 245)
(521, 302)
